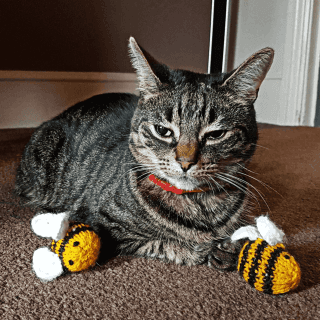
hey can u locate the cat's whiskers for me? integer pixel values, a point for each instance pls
(219, 186)
(246, 168)
(239, 223)
(238, 185)
(211, 186)
(144, 175)
(140, 164)
(201, 189)
(260, 146)
(148, 170)
(264, 184)
(143, 169)
(138, 167)
(249, 184)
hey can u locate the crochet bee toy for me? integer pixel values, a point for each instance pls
(79, 249)
(76, 251)
(263, 261)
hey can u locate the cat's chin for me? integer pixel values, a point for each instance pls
(183, 183)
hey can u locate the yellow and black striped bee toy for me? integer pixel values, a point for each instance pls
(263, 261)
(79, 249)
(269, 269)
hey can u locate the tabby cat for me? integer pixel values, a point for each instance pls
(160, 175)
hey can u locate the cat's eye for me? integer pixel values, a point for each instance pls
(216, 134)
(162, 131)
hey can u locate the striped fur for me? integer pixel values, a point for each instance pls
(94, 160)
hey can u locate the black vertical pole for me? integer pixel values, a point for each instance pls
(218, 33)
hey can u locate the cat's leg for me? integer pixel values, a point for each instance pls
(224, 256)
(51, 225)
(167, 251)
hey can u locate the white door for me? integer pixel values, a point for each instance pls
(291, 27)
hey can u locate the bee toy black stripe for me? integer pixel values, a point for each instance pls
(256, 262)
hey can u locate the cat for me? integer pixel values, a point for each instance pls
(159, 175)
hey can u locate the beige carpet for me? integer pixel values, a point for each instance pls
(287, 159)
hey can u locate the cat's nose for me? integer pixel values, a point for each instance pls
(185, 166)
(187, 154)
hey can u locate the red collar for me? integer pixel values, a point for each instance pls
(168, 187)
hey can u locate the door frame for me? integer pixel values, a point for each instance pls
(301, 65)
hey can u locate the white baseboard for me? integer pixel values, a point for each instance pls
(28, 98)
(66, 76)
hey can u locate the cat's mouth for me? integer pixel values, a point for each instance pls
(181, 183)
(169, 187)
(184, 183)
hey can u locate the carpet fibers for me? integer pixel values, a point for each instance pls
(287, 160)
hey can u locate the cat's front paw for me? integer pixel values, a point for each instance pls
(225, 255)
(50, 225)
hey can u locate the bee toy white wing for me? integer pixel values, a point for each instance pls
(46, 264)
(265, 229)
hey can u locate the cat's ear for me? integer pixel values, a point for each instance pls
(247, 78)
(148, 82)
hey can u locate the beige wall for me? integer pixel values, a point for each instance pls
(91, 36)
(41, 96)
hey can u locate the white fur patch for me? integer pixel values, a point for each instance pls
(46, 264)
(50, 225)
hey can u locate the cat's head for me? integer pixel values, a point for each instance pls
(191, 128)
